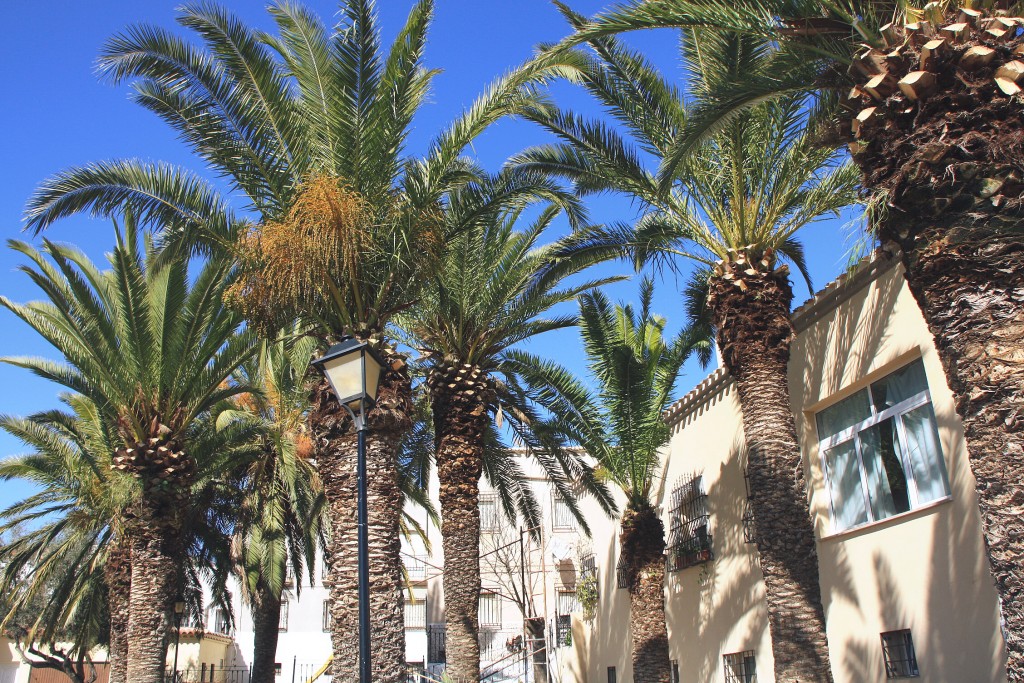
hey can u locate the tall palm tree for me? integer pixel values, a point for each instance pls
(933, 128)
(309, 127)
(152, 346)
(281, 515)
(619, 423)
(494, 289)
(734, 209)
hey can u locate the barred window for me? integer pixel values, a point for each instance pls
(562, 518)
(588, 566)
(740, 667)
(436, 642)
(568, 602)
(689, 540)
(611, 675)
(415, 567)
(621, 573)
(675, 671)
(900, 658)
(416, 613)
(488, 512)
(327, 621)
(489, 613)
(880, 450)
(563, 630)
(282, 621)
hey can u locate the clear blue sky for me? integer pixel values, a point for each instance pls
(57, 113)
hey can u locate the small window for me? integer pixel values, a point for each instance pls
(689, 540)
(490, 609)
(568, 603)
(880, 450)
(277, 668)
(675, 671)
(563, 630)
(588, 566)
(436, 644)
(282, 620)
(416, 613)
(611, 675)
(488, 512)
(562, 518)
(740, 667)
(622, 579)
(328, 619)
(900, 658)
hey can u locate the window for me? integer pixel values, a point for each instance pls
(611, 675)
(489, 613)
(588, 566)
(567, 603)
(415, 567)
(622, 579)
(563, 630)
(880, 449)
(277, 668)
(416, 613)
(740, 667)
(488, 512)
(282, 620)
(561, 515)
(328, 619)
(900, 659)
(675, 671)
(436, 653)
(218, 621)
(689, 540)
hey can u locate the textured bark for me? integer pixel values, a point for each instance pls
(155, 561)
(266, 616)
(755, 331)
(643, 550)
(336, 461)
(970, 286)
(460, 398)
(118, 573)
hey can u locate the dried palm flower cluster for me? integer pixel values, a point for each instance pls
(309, 257)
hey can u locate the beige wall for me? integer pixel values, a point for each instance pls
(924, 570)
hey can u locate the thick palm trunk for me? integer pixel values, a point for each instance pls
(118, 573)
(755, 331)
(336, 461)
(155, 560)
(266, 616)
(460, 403)
(643, 548)
(971, 293)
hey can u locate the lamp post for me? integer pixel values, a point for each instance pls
(179, 610)
(353, 370)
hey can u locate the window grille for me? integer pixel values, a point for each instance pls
(567, 603)
(415, 567)
(282, 621)
(611, 675)
(489, 613)
(621, 573)
(588, 566)
(675, 671)
(749, 527)
(563, 630)
(562, 518)
(740, 667)
(880, 450)
(416, 613)
(690, 542)
(900, 658)
(327, 616)
(489, 512)
(436, 644)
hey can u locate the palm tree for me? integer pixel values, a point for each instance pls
(620, 425)
(280, 518)
(494, 289)
(151, 345)
(309, 128)
(945, 197)
(734, 208)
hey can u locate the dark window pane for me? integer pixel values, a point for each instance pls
(899, 386)
(883, 464)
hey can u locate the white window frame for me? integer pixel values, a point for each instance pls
(419, 605)
(495, 611)
(853, 433)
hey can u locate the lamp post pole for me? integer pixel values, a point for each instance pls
(178, 611)
(364, 551)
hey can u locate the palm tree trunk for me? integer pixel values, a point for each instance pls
(969, 284)
(155, 560)
(642, 539)
(118, 573)
(459, 398)
(336, 460)
(751, 313)
(266, 617)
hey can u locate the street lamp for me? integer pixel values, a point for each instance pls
(353, 370)
(179, 610)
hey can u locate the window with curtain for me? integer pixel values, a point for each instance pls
(490, 609)
(880, 449)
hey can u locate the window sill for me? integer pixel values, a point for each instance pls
(895, 519)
